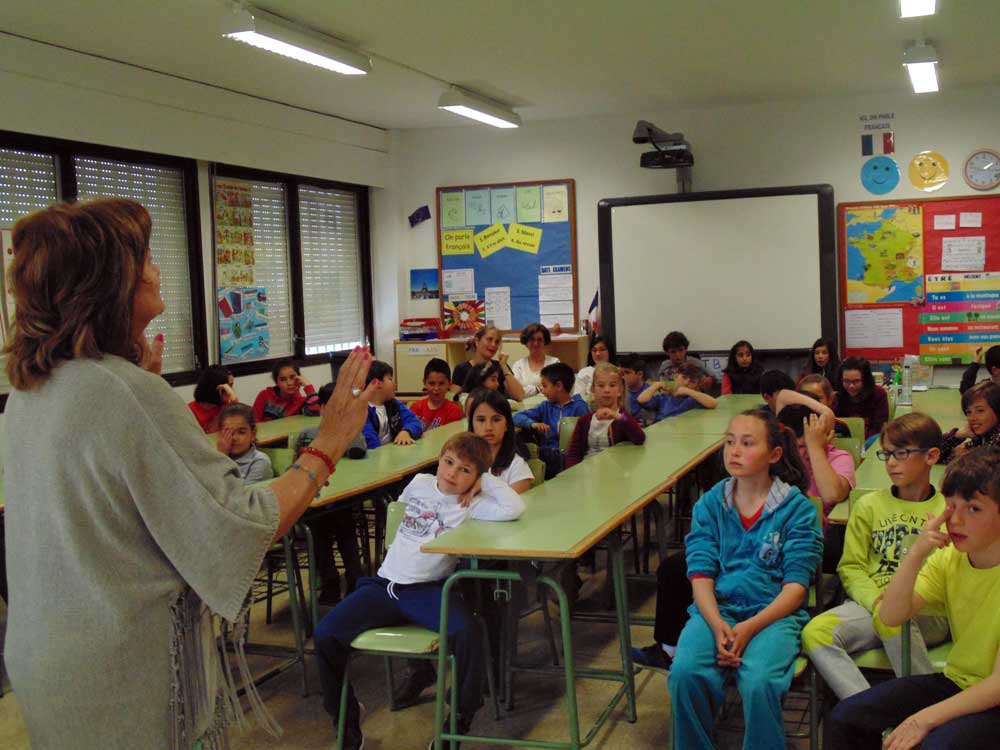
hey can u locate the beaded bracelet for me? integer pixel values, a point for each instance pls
(331, 467)
(313, 477)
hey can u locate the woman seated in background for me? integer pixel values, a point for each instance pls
(214, 391)
(528, 370)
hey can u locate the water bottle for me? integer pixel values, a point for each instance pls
(906, 392)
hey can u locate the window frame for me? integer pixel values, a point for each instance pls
(291, 185)
(65, 151)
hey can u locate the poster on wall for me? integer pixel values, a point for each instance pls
(424, 283)
(234, 246)
(244, 332)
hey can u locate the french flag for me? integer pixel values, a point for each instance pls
(594, 313)
(870, 144)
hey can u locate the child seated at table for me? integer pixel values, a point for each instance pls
(291, 394)
(981, 406)
(751, 553)
(409, 583)
(214, 391)
(389, 420)
(956, 570)
(333, 525)
(991, 362)
(488, 375)
(633, 370)
(436, 409)
(237, 434)
(821, 390)
(543, 419)
(609, 423)
(772, 382)
(877, 530)
(684, 396)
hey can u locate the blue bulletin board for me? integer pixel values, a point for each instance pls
(507, 255)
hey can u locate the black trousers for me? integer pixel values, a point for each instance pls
(857, 722)
(336, 525)
(673, 597)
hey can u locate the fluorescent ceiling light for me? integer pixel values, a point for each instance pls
(913, 8)
(920, 60)
(478, 108)
(266, 31)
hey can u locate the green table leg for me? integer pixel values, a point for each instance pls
(621, 612)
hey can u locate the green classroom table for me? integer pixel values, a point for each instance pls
(278, 430)
(565, 517)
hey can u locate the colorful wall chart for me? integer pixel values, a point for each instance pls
(920, 276)
(234, 248)
(244, 332)
(507, 255)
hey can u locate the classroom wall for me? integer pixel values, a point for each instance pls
(753, 145)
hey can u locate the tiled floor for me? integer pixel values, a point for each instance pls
(539, 712)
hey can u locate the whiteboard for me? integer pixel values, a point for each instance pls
(720, 267)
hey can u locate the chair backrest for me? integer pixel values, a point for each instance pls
(818, 505)
(857, 427)
(281, 459)
(394, 514)
(891, 394)
(537, 467)
(851, 445)
(566, 427)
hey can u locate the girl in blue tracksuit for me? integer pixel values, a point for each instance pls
(754, 543)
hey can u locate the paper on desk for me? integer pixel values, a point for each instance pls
(963, 254)
(874, 329)
(498, 307)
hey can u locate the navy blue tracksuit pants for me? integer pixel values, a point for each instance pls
(372, 605)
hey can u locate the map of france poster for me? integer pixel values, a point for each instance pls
(885, 254)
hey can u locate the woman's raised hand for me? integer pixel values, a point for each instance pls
(344, 414)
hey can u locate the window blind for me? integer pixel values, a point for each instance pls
(27, 183)
(161, 190)
(271, 264)
(331, 270)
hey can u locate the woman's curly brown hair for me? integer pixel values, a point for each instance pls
(74, 276)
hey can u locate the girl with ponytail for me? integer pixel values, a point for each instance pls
(754, 544)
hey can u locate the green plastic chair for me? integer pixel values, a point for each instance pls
(408, 641)
(857, 427)
(891, 395)
(537, 467)
(566, 427)
(851, 445)
(281, 459)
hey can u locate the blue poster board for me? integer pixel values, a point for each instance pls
(507, 255)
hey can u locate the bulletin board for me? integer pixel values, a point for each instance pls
(920, 277)
(507, 255)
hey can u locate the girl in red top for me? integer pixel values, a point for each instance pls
(292, 394)
(609, 423)
(214, 391)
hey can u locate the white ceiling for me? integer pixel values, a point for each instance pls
(548, 58)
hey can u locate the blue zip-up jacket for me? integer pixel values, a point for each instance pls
(749, 568)
(550, 414)
(666, 405)
(400, 418)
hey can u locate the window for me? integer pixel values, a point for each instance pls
(310, 256)
(331, 270)
(266, 237)
(161, 190)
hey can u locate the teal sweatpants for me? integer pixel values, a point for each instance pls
(697, 689)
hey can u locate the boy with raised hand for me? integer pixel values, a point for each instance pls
(409, 584)
(685, 396)
(879, 525)
(436, 409)
(955, 569)
(992, 363)
(557, 387)
(389, 421)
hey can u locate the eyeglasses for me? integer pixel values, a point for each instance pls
(900, 454)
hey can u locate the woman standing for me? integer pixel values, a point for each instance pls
(485, 345)
(528, 369)
(127, 528)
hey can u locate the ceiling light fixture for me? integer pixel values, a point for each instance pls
(920, 61)
(914, 8)
(479, 108)
(274, 34)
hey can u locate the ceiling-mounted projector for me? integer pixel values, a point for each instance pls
(671, 150)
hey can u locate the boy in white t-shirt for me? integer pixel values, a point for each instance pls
(409, 583)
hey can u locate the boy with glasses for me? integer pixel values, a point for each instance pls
(881, 526)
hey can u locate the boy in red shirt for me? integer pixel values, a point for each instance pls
(435, 409)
